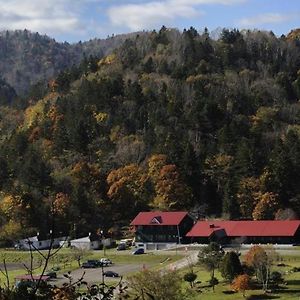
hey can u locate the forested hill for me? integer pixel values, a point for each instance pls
(27, 58)
(170, 120)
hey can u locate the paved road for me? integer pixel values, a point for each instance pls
(12, 266)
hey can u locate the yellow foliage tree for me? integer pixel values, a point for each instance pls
(218, 168)
(267, 205)
(248, 187)
(155, 164)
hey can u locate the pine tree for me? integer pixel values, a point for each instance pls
(230, 266)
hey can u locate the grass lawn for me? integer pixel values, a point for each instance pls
(289, 290)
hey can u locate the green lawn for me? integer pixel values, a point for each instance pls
(289, 290)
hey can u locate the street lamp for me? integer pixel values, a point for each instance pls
(103, 242)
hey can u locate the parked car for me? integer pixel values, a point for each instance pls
(138, 251)
(111, 274)
(128, 242)
(96, 262)
(88, 265)
(106, 262)
(121, 246)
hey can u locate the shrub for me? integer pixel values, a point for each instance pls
(190, 278)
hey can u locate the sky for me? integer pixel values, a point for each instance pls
(74, 20)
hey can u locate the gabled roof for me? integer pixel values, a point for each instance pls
(245, 228)
(159, 218)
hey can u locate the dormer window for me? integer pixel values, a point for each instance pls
(156, 220)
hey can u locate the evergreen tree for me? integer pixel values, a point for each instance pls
(230, 266)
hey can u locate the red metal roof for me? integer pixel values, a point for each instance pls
(159, 218)
(245, 228)
(32, 277)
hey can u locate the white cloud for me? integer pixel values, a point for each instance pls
(154, 13)
(268, 18)
(51, 17)
(143, 16)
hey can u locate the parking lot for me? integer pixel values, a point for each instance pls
(94, 275)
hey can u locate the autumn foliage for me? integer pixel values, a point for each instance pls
(241, 283)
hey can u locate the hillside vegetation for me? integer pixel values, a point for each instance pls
(169, 120)
(29, 58)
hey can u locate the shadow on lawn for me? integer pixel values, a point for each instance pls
(293, 282)
(287, 288)
(287, 291)
(262, 296)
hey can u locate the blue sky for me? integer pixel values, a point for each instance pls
(74, 20)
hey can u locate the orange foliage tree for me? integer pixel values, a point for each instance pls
(127, 191)
(241, 283)
(171, 192)
(61, 204)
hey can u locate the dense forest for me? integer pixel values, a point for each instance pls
(169, 120)
(28, 59)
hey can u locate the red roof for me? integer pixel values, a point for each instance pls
(32, 277)
(159, 218)
(245, 228)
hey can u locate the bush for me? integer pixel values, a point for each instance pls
(190, 278)
(213, 281)
(276, 277)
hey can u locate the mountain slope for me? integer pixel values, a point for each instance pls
(27, 58)
(169, 120)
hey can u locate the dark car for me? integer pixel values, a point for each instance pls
(88, 265)
(95, 262)
(111, 274)
(51, 274)
(138, 251)
(121, 246)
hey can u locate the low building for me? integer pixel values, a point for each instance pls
(158, 230)
(228, 232)
(85, 243)
(34, 243)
